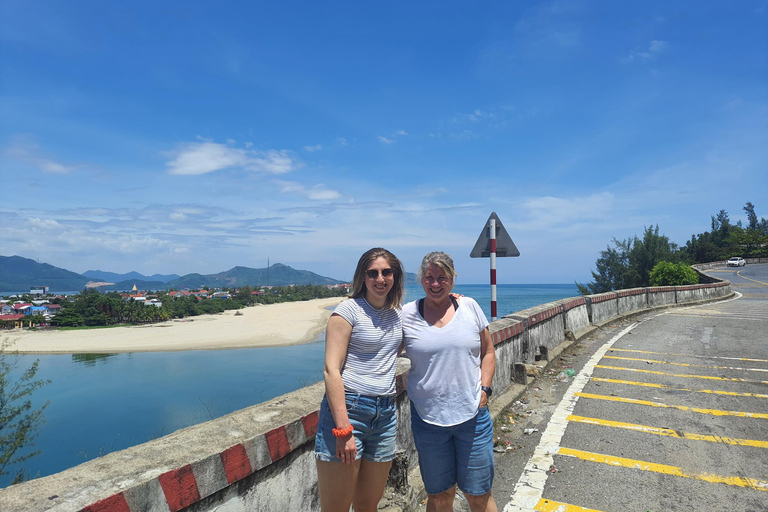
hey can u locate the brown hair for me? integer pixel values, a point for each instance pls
(395, 295)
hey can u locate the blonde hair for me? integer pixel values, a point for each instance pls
(442, 260)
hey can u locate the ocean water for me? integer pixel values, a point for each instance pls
(103, 403)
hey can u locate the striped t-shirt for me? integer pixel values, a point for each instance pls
(371, 362)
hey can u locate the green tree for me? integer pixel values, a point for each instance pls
(19, 421)
(665, 273)
(726, 240)
(629, 263)
(749, 209)
(67, 317)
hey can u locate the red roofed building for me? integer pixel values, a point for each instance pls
(16, 319)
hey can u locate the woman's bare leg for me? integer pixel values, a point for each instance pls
(336, 484)
(442, 502)
(482, 503)
(371, 481)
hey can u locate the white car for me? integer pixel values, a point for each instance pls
(735, 262)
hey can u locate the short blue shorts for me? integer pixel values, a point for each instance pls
(461, 454)
(375, 428)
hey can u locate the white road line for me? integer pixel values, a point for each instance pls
(530, 487)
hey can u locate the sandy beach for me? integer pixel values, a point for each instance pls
(287, 323)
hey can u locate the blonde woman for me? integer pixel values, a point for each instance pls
(452, 365)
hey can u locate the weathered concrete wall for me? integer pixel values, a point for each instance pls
(545, 327)
(692, 293)
(634, 299)
(261, 458)
(510, 340)
(702, 292)
(576, 315)
(603, 307)
(661, 296)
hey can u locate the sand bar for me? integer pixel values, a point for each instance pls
(286, 323)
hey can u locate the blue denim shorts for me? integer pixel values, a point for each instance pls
(461, 454)
(375, 428)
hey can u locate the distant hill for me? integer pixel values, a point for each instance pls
(277, 275)
(112, 277)
(20, 274)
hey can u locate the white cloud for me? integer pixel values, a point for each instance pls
(204, 157)
(342, 141)
(316, 147)
(35, 224)
(556, 212)
(392, 138)
(655, 47)
(316, 193)
(465, 135)
(26, 150)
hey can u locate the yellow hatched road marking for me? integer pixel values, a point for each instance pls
(664, 386)
(758, 485)
(713, 412)
(669, 432)
(686, 355)
(686, 364)
(686, 376)
(556, 506)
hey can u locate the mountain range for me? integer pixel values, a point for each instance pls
(18, 274)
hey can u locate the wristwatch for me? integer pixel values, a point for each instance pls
(488, 391)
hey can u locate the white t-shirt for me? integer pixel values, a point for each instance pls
(371, 361)
(444, 380)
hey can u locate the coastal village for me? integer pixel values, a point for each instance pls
(39, 306)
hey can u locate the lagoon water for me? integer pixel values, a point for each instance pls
(103, 403)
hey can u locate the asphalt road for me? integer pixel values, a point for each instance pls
(667, 412)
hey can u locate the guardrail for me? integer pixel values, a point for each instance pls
(261, 458)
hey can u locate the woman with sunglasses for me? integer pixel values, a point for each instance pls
(356, 432)
(452, 365)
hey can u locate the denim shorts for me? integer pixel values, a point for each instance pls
(461, 454)
(375, 428)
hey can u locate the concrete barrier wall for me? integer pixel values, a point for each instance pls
(603, 307)
(576, 315)
(545, 328)
(511, 343)
(629, 301)
(261, 458)
(661, 296)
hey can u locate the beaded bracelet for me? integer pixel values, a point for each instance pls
(341, 432)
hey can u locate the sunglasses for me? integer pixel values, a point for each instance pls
(373, 273)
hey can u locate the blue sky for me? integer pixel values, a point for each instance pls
(177, 137)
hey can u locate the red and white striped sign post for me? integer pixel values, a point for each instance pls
(493, 269)
(494, 241)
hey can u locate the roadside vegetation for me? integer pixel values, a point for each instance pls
(19, 420)
(655, 261)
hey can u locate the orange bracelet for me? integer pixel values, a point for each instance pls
(341, 432)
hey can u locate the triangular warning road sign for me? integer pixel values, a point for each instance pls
(505, 247)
